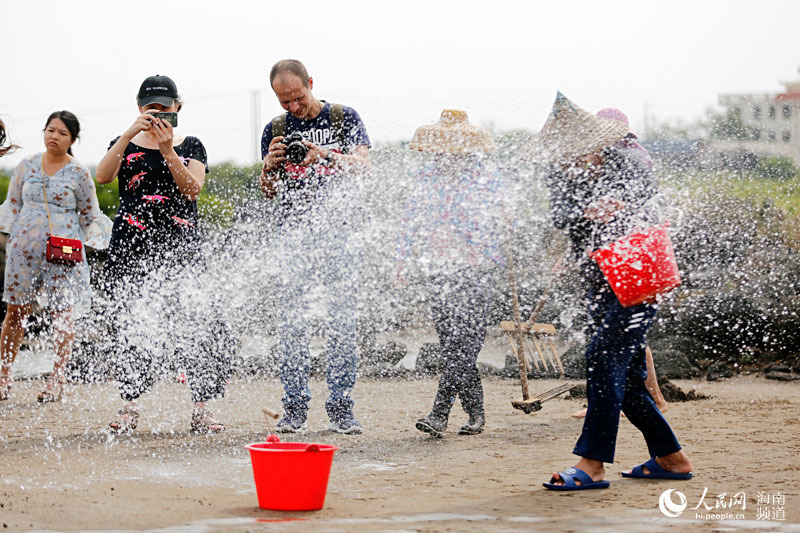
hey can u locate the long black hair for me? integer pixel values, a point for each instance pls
(5, 142)
(70, 121)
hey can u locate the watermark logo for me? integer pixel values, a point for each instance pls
(668, 506)
(724, 505)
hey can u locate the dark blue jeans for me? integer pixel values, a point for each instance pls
(615, 373)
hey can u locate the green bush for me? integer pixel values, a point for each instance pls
(5, 179)
(233, 182)
(108, 196)
(776, 167)
(215, 211)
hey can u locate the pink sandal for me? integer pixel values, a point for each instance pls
(53, 389)
(126, 421)
(204, 422)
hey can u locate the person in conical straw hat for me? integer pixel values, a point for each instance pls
(598, 191)
(570, 132)
(450, 237)
(631, 148)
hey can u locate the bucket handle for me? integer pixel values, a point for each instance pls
(312, 448)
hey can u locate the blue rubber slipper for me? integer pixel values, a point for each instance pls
(656, 472)
(569, 476)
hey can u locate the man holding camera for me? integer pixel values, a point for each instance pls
(313, 156)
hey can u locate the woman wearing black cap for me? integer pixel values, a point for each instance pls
(155, 232)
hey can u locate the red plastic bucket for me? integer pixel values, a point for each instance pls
(291, 476)
(640, 266)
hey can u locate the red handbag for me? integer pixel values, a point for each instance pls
(64, 251)
(60, 250)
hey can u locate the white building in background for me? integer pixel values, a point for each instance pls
(773, 118)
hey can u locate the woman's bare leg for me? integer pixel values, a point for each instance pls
(64, 329)
(12, 334)
(10, 340)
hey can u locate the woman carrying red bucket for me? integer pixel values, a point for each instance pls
(599, 192)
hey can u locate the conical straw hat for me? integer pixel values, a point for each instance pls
(452, 134)
(571, 132)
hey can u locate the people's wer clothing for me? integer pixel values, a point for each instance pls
(202, 354)
(615, 356)
(454, 221)
(623, 178)
(319, 208)
(154, 220)
(75, 214)
(616, 369)
(460, 309)
(304, 188)
(152, 250)
(319, 270)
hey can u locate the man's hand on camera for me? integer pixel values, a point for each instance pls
(316, 154)
(276, 155)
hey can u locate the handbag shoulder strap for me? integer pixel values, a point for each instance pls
(44, 192)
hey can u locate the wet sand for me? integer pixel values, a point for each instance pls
(60, 471)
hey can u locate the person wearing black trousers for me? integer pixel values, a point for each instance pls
(154, 245)
(451, 233)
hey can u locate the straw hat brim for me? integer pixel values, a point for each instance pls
(452, 134)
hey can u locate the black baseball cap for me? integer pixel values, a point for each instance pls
(157, 89)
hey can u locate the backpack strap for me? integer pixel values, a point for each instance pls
(279, 126)
(337, 126)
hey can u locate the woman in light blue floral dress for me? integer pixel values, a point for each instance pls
(74, 213)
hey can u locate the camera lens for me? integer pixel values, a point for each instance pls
(296, 151)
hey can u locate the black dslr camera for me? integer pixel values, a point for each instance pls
(296, 151)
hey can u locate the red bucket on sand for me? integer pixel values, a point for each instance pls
(640, 266)
(291, 476)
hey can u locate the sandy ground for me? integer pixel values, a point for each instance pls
(60, 471)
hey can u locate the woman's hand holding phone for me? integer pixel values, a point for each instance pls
(161, 131)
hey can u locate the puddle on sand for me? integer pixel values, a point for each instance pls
(197, 474)
(380, 467)
(199, 526)
(620, 524)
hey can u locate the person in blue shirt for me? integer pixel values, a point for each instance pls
(317, 206)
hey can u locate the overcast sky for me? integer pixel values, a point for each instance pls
(399, 63)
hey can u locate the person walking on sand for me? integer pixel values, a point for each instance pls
(154, 240)
(597, 193)
(313, 154)
(50, 194)
(633, 149)
(451, 232)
